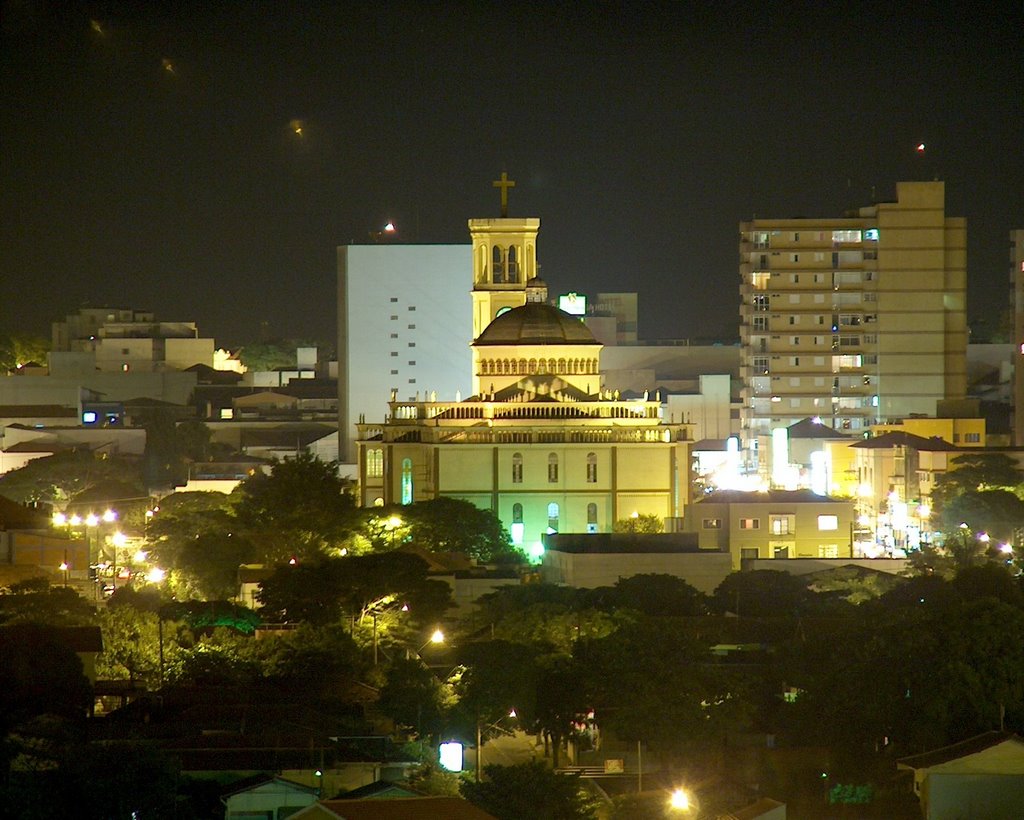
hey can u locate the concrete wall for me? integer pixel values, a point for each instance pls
(704, 570)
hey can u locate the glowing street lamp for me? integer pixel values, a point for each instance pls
(679, 800)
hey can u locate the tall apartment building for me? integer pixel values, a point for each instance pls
(856, 320)
(1017, 300)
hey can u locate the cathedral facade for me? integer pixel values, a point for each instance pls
(540, 442)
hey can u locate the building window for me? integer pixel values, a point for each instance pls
(516, 530)
(412, 344)
(513, 264)
(374, 462)
(552, 468)
(394, 352)
(517, 468)
(591, 517)
(828, 522)
(828, 550)
(497, 266)
(712, 523)
(750, 523)
(761, 302)
(972, 438)
(394, 298)
(760, 323)
(552, 517)
(781, 524)
(407, 488)
(411, 327)
(591, 468)
(412, 307)
(394, 372)
(394, 317)
(846, 236)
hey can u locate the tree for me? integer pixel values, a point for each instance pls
(270, 355)
(658, 594)
(131, 644)
(57, 479)
(640, 524)
(197, 537)
(996, 512)
(452, 525)
(977, 471)
(530, 790)
(320, 592)
(35, 601)
(413, 697)
(301, 510)
(560, 702)
(762, 593)
(39, 675)
(653, 683)
(18, 349)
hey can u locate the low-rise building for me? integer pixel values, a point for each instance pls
(772, 524)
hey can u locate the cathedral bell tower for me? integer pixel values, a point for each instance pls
(504, 259)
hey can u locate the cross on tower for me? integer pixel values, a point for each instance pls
(504, 183)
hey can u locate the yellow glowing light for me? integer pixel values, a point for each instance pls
(296, 127)
(156, 575)
(390, 227)
(75, 520)
(59, 519)
(924, 511)
(139, 556)
(91, 520)
(984, 537)
(864, 491)
(119, 539)
(679, 800)
(168, 66)
(437, 636)
(393, 522)
(63, 566)
(109, 516)
(512, 713)
(97, 27)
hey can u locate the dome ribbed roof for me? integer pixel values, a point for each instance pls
(536, 324)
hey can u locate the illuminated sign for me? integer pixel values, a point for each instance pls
(573, 303)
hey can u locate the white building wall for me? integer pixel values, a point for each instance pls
(405, 324)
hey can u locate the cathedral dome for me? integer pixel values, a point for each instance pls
(536, 324)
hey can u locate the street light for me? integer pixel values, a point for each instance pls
(679, 800)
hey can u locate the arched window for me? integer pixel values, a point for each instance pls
(513, 264)
(517, 468)
(591, 468)
(552, 517)
(407, 481)
(591, 517)
(497, 266)
(552, 468)
(516, 530)
(374, 462)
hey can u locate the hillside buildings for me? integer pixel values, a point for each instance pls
(853, 320)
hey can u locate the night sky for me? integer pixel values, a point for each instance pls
(150, 157)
